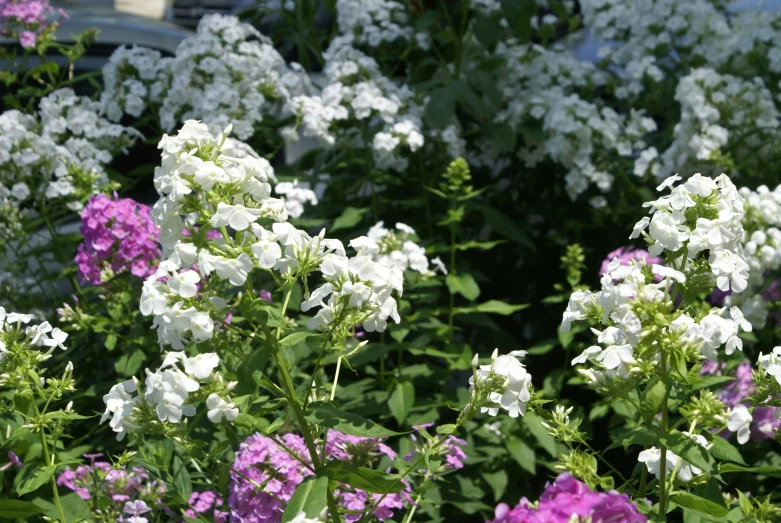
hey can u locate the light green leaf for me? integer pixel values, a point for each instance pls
(689, 450)
(310, 497)
(497, 481)
(703, 507)
(333, 418)
(725, 451)
(485, 246)
(363, 478)
(182, 481)
(642, 437)
(250, 371)
(349, 218)
(297, 337)
(463, 284)
(35, 479)
(16, 509)
(546, 441)
(493, 307)
(402, 400)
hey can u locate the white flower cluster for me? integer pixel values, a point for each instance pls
(133, 77)
(40, 335)
(628, 291)
(762, 249)
(59, 155)
(719, 111)
(544, 88)
(227, 73)
(652, 457)
(373, 22)
(296, 196)
(397, 249)
(208, 184)
(701, 214)
(169, 392)
(771, 363)
(356, 95)
(507, 382)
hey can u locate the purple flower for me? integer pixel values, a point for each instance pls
(27, 39)
(14, 461)
(264, 294)
(567, 497)
(627, 254)
(25, 19)
(118, 234)
(202, 502)
(261, 460)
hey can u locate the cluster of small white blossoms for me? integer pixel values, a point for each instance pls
(701, 215)
(503, 385)
(373, 22)
(133, 78)
(296, 196)
(356, 95)
(227, 73)
(170, 392)
(652, 457)
(396, 248)
(59, 155)
(40, 335)
(209, 183)
(718, 112)
(762, 249)
(547, 88)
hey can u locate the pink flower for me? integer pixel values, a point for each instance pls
(27, 39)
(626, 254)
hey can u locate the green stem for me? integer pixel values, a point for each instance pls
(663, 462)
(451, 314)
(49, 460)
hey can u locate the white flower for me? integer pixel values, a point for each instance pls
(517, 382)
(234, 270)
(739, 420)
(668, 272)
(301, 518)
(219, 408)
(237, 216)
(202, 365)
(615, 356)
(267, 252)
(184, 283)
(58, 337)
(652, 458)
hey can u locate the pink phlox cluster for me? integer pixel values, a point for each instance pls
(25, 19)
(627, 254)
(119, 234)
(735, 392)
(120, 486)
(567, 499)
(204, 503)
(260, 459)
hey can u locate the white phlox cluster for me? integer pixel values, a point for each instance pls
(508, 383)
(60, 155)
(396, 247)
(373, 22)
(296, 196)
(38, 335)
(227, 73)
(652, 457)
(170, 392)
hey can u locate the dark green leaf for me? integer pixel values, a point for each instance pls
(15, 509)
(441, 107)
(488, 31)
(250, 371)
(363, 478)
(497, 481)
(725, 451)
(703, 507)
(523, 454)
(349, 218)
(402, 400)
(689, 450)
(504, 225)
(643, 437)
(182, 481)
(333, 418)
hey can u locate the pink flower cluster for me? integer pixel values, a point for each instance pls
(118, 233)
(261, 460)
(25, 18)
(566, 500)
(120, 486)
(764, 423)
(133, 488)
(627, 254)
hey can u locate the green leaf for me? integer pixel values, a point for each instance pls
(651, 400)
(250, 371)
(518, 14)
(642, 437)
(16, 509)
(497, 481)
(349, 218)
(463, 284)
(62, 415)
(701, 506)
(111, 342)
(402, 400)
(291, 340)
(35, 479)
(546, 441)
(310, 497)
(488, 31)
(726, 451)
(261, 312)
(23, 400)
(768, 470)
(182, 481)
(363, 478)
(689, 450)
(128, 364)
(493, 307)
(333, 418)
(523, 454)
(504, 225)
(72, 505)
(441, 107)
(485, 246)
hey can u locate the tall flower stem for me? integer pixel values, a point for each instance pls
(665, 429)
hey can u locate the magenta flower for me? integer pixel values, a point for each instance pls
(202, 503)
(118, 234)
(14, 461)
(626, 254)
(567, 497)
(266, 295)
(27, 39)
(25, 19)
